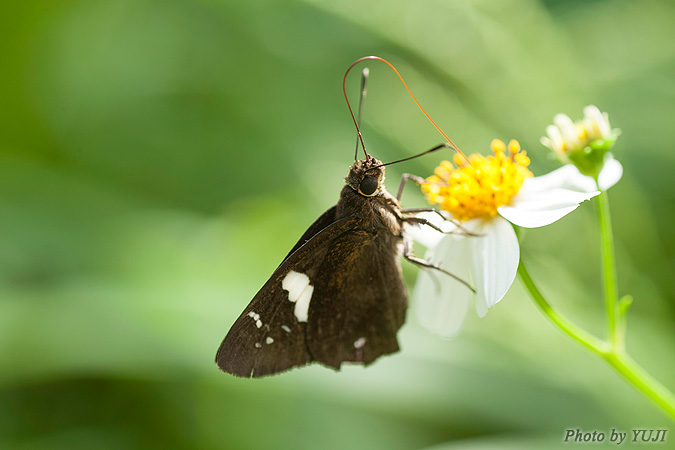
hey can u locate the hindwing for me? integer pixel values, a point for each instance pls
(356, 313)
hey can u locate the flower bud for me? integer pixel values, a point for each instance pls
(584, 143)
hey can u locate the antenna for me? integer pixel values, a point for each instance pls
(358, 129)
(431, 150)
(362, 98)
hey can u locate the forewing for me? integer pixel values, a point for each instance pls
(319, 224)
(268, 337)
(356, 313)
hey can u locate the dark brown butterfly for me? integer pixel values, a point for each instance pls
(338, 296)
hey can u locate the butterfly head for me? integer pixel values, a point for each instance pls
(366, 176)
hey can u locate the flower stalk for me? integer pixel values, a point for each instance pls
(611, 350)
(642, 381)
(608, 267)
(589, 341)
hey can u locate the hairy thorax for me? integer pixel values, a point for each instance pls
(381, 213)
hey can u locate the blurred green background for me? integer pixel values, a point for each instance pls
(158, 159)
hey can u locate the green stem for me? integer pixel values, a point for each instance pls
(644, 382)
(614, 355)
(587, 340)
(609, 271)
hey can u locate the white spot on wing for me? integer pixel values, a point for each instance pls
(256, 317)
(299, 292)
(269, 340)
(258, 345)
(285, 328)
(302, 306)
(360, 342)
(295, 283)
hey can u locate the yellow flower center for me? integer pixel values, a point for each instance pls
(478, 188)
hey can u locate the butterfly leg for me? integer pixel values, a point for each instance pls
(404, 179)
(407, 254)
(433, 210)
(422, 221)
(419, 220)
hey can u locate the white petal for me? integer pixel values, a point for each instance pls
(611, 173)
(555, 142)
(569, 177)
(568, 131)
(426, 235)
(440, 302)
(495, 261)
(566, 177)
(537, 208)
(597, 123)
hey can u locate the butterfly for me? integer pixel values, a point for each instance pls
(338, 296)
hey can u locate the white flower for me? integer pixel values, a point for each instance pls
(596, 123)
(569, 177)
(489, 261)
(584, 143)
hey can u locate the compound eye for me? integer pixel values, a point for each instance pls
(368, 185)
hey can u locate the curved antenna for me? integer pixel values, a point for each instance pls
(431, 150)
(356, 124)
(409, 92)
(362, 98)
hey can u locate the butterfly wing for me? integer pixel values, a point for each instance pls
(319, 224)
(352, 318)
(268, 337)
